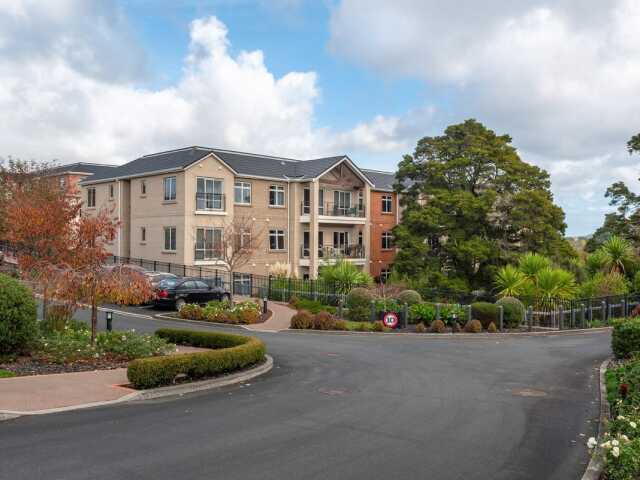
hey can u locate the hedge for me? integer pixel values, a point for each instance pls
(229, 352)
(625, 340)
(485, 312)
(18, 317)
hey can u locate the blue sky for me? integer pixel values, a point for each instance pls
(107, 81)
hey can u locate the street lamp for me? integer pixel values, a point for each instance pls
(109, 317)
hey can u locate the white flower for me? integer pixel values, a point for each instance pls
(615, 443)
(606, 445)
(624, 438)
(615, 452)
(621, 417)
(591, 443)
(633, 424)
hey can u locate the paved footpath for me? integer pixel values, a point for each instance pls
(280, 320)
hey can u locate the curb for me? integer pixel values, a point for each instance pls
(159, 392)
(594, 468)
(449, 336)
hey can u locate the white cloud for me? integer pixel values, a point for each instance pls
(71, 92)
(561, 77)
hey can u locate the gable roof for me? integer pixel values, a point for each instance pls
(241, 163)
(381, 180)
(81, 168)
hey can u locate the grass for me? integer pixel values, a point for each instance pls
(6, 374)
(362, 326)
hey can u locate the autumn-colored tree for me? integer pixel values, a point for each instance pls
(88, 279)
(38, 222)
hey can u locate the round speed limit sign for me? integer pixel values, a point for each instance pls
(390, 320)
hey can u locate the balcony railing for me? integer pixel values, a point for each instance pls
(327, 252)
(334, 210)
(210, 201)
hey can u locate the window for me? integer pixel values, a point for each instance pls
(169, 189)
(384, 275)
(244, 239)
(143, 234)
(276, 196)
(91, 197)
(208, 243)
(63, 182)
(306, 201)
(242, 193)
(387, 240)
(110, 190)
(360, 200)
(170, 239)
(276, 239)
(342, 202)
(321, 201)
(387, 204)
(143, 187)
(209, 194)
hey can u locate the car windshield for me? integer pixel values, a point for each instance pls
(169, 283)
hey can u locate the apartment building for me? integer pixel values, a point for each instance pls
(72, 174)
(174, 206)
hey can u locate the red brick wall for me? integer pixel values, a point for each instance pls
(380, 222)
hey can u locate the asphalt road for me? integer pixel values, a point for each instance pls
(342, 407)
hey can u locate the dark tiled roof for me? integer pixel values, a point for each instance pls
(381, 180)
(242, 163)
(82, 167)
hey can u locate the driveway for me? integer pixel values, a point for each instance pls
(342, 407)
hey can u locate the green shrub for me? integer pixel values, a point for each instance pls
(410, 297)
(378, 326)
(229, 352)
(420, 328)
(513, 311)
(449, 311)
(302, 320)
(313, 306)
(384, 305)
(191, 311)
(485, 312)
(359, 304)
(623, 388)
(363, 327)
(422, 313)
(492, 328)
(438, 326)
(18, 316)
(473, 326)
(6, 374)
(130, 345)
(625, 340)
(323, 321)
(340, 325)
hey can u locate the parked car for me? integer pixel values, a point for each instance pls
(177, 292)
(156, 277)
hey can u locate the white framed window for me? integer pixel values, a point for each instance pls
(209, 194)
(143, 234)
(341, 202)
(62, 182)
(91, 197)
(111, 190)
(387, 240)
(143, 187)
(385, 273)
(170, 239)
(276, 240)
(321, 201)
(242, 193)
(208, 243)
(276, 196)
(387, 204)
(244, 239)
(169, 188)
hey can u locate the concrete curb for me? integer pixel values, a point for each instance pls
(160, 392)
(449, 336)
(595, 466)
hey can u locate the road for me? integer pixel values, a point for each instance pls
(342, 407)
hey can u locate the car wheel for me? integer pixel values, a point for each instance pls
(180, 303)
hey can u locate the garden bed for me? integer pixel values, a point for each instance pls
(241, 313)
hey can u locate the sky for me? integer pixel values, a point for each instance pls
(107, 81)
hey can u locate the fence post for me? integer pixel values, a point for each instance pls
(200, 271)
(289, 288)
(609, 313)
(561, 319)
(530, 318)
(405, 315)
(604, 311)
(340, 307)
(264, 305)
(583, 315)
(590, 312)
(469, 313)
(372, 313)
(573, 316)
(501, 317)
(624, 308)
(437, 311)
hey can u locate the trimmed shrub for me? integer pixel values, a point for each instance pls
(438, 326)
(229, 352)
(625, 340)
(378, 326)
(484, 312)
(422, 312)
(410, 297)
(358, 303)
(314, 306)
(18, 314)
(363, 327)
(302, 320)
(513, 311)
(340, 325)
(492, 328)
(420, 328)
(323, 321)
(473, 326)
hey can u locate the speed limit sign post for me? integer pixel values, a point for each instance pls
(390, 319)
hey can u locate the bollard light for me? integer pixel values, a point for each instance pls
(454, 319)
(109, 317)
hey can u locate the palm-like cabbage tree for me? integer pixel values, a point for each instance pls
(597, 262)
(510, 281)
(554, 283)
(532, 263)
(618, 252)
(344, 275)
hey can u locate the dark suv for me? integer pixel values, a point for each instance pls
(176, 292)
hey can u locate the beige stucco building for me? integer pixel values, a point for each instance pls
(176, 206)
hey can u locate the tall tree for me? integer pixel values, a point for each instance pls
(472, 205)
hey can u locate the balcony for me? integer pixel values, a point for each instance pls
(330, 212)
(210, 203)
(329, 254)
